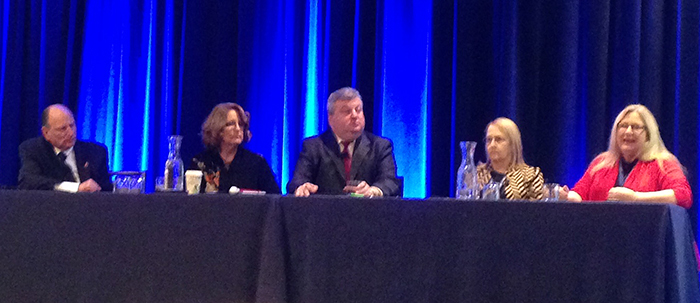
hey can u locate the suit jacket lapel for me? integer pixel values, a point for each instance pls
(332, 145)
(81, 162)
(62, 168)
(359, 155)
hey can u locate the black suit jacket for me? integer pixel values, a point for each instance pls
(320, 163)
(41, 168)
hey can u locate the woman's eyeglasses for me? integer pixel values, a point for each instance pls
(232, 123)
(636, 128)
(497, 140)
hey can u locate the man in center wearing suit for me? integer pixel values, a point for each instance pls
(345, 159)
(57, 161)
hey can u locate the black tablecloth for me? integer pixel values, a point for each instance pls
(441, 250)
(221, 248)
(57, 247)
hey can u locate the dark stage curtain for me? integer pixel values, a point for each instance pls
(562, 71)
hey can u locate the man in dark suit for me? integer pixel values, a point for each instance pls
(57, 161)
(345, 159)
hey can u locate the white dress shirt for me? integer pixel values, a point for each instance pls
(351, 146)
(67, 186)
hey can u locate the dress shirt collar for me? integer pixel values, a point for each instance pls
(351, 146)
(66, 152)
(70, 161)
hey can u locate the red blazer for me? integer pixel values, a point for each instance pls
(645, 177)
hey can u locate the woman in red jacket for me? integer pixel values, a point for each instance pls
(636, 167)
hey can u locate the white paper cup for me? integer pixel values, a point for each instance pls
(193, 181)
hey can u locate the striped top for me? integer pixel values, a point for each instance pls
(523, 182)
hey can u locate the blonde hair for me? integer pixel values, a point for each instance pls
(653, 149)
(512, 133)
(216, 121)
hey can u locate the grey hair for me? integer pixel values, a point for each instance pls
(345, 93)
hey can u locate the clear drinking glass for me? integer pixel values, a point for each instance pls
(550, 192)
(129, 182)
(491, 191)
(160, 184)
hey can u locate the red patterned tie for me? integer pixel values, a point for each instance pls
(347, 159)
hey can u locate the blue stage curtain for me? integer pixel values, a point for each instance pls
(129, 81)
(432, 73)
(40, 50)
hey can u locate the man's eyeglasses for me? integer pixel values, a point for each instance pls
(64, 128)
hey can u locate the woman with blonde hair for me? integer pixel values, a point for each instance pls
(506, 164)
(225, 162)
(636, 167)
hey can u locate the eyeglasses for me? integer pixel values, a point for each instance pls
(232, 123)
(350, 111)
(497, 140)
(64, 128)
(636, 128)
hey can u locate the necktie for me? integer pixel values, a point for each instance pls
(347, 159)
(62, 157)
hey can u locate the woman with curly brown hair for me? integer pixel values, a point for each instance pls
(225, 162)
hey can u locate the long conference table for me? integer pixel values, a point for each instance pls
(57, 247)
